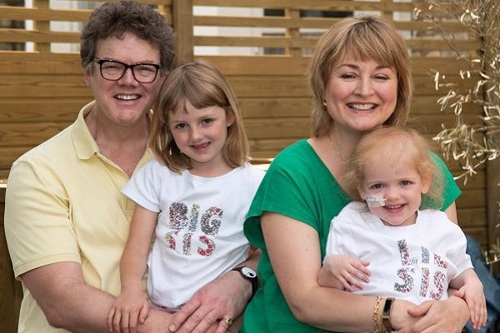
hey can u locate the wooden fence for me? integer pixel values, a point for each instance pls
(263, 47)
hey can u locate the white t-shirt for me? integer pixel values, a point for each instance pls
(414, 262)
(199, 234)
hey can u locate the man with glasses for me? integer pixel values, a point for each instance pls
(66, 221)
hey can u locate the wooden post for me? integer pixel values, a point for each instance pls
(293, 33)
(42, 26)
(183, 24)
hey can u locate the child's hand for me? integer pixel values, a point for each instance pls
(472, 293)
(344, 272)
(128, 309)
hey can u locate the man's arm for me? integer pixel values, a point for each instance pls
(69, 303)
(66, 300)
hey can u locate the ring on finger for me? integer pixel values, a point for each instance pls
(228, 320)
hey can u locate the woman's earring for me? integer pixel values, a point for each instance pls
(325, 105)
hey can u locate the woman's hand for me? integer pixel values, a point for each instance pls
(449, 316)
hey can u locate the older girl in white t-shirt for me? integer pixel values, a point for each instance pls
(193, 196)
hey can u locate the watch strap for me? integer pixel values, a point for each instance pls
(386, 315)
(253, 280)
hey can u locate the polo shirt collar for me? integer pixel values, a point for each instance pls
(85, 144)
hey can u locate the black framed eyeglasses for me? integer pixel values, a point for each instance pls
(113, 70)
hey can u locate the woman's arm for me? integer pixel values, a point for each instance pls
(294, 250)
(451, 212)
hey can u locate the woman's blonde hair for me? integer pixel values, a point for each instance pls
(203, 85)
(365, 38)
(388, 145)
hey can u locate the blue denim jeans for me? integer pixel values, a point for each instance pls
(491, 285)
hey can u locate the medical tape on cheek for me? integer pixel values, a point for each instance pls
(375, 200)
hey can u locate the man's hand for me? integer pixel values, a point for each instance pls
(224, 297)
(448, 316)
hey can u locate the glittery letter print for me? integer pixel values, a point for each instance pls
(403, 251)
(186, 248)
(425, 282)
(425, 255)
(211, 221)
(170, 238)
(192, 232)
(178, 215)
(404, 272)
(210, 246)
(439, 282)
(195, 212)
(439, 261)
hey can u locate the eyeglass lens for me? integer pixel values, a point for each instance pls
(113, 70)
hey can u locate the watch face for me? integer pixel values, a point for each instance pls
(248, 272)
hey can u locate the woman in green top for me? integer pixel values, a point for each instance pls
(360, 79)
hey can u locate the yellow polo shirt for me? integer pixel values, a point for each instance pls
(63, 203)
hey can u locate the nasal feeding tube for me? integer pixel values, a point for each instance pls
(377, 200)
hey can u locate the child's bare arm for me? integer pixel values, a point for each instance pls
(131, 307)
(470, 288)
(344, 272)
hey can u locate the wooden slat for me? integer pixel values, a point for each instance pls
(8, 156)
(272, 86)
(41, 110)
(277, 128)
(42, 86)
(22, 36)
(311, 5)
(309, 42)
(43, 14)
(264, 22)
(307, 23)
(28, 134)
(445, 65)
(472, 217)
(268, 107)
(23, 63)
(263, 41)
(261, 65)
